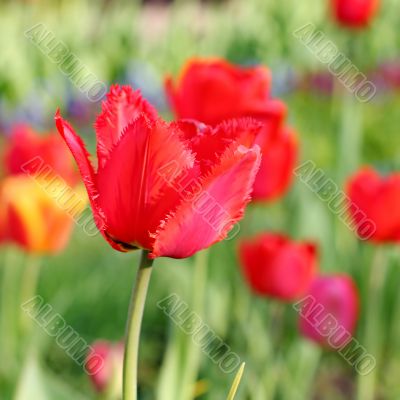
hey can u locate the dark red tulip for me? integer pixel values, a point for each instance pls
(354, 13)
(376, 199)
(329, 310)
(45, 151)
(276, 266)
(212, 90)
(104, 365)
(170, 188)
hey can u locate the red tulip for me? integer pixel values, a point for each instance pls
(354, 13)
(279, 155)
(109, 371)
(26, 145)
(377, 199)
(329, 311)
(171, 188)
(214, 90)
(275, 266)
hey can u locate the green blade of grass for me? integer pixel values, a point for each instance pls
(236, 383)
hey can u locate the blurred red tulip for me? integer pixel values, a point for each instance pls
(33, 218)
(109, 372)
(26, 145)
(376, 198)
(171, 188)
(354, 13)
(279, 155)
(276, 266)
(212, 90)
(329, 311)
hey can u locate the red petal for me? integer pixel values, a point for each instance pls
(375, 195)
(26, 145)
(134, 185)
(279, 156)
(213, 90)
(210, 143)
(208, 216)
(122, 106)
(81, 156)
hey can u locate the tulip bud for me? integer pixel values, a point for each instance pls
(108, 374)
(329, 311)
(354, 13)
(275, 266)
(373, 205)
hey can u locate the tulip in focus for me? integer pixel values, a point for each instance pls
(106, 376)
(376, 198)
(213, 90)
(329, 311)
(275, 266)
(169, 188)
(354, 13)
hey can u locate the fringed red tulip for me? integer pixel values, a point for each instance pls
(275, 266)
(169, 188)
(329, 311)
(354, 13)
(374, 205)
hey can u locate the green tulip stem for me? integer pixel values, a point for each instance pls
(134, 322)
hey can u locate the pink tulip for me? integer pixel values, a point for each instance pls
(103, 374)
(329, 311)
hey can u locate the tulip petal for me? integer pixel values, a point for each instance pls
(144, 164)
(25, 146)
(122, 106)
(81, 156)
(210, 143)
(374, 195)
(213, 90)
(279, 159)
(211, 212)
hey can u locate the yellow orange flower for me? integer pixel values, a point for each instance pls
(38, 214)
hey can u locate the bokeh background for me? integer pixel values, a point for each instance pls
(135, 43)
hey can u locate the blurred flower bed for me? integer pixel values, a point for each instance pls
(128, 43)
